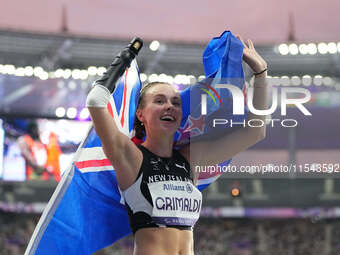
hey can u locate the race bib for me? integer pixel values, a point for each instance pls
(175, 203)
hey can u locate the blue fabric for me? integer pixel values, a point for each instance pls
(86, 219)
(222, 58)
(222, 61)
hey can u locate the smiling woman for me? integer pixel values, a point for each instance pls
(156, 180)
(157, 184)
(159, 98)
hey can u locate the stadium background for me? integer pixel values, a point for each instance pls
(54, 50)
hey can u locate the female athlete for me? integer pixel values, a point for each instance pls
(156, 181)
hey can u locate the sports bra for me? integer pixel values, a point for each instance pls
(163, 194)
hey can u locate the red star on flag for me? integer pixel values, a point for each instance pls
(198, 123)
(184, 133)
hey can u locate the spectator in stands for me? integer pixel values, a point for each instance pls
(213, 236)
(34, 152)
(53, 154)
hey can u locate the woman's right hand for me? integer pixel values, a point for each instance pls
(251, 57)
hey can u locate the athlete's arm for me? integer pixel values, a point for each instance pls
(123, 154)
(218, 150)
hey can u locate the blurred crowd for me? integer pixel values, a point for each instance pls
(212, 236)
(15, 232)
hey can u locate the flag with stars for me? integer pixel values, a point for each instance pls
(222, 61)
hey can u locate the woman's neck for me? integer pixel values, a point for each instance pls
(161, 147)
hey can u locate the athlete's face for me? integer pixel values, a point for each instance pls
(162, 109)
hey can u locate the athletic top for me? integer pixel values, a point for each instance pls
(163, 194)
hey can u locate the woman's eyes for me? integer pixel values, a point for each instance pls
(161, 101)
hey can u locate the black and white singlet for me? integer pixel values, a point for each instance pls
(163, 194)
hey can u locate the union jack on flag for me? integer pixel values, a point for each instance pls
(122, 107)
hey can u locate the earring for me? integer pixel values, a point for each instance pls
(142, 124)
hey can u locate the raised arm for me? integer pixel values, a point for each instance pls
(124, 156)
(218, 150)
(117, 147)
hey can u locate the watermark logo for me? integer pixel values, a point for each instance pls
(239, 102)
(211, 96)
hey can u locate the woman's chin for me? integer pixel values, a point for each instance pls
(169, 126)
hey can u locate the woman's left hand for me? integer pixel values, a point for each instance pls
(251, 57)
